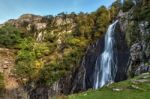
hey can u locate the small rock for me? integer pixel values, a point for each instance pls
(5, 66)
(6, 62)
(142, 69)
(142, 81)
(117, 89)
(136, 87)
(85, 94)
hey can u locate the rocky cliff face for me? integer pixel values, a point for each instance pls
(12, 87)
(139, 47)
(37, 26)
(6, 65)
(28, 21)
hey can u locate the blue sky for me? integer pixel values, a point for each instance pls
(10, 9)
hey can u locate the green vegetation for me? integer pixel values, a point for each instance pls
(64, 61)
(9, 36)
(102, 20)
(130, 89)
(128, 4)
(61, 51)
(28, 62)
(132, 34)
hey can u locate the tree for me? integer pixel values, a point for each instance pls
(117, 5)
(102, 20)
(9, 36)
(85, 25)
(113, 13)
(25, 67)
(127, 5)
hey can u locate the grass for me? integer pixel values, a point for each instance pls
(136, 88)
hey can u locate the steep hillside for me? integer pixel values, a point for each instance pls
(48, 56)
(49, 48)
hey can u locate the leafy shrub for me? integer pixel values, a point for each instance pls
(28, 63)
(25, 67)
(9, 36)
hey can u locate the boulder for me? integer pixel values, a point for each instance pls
(136, 52)
(142, 69)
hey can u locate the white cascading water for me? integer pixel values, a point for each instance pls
(106, 64)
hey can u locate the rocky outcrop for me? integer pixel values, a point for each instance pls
(139, 46)
(39, 93)
(7, 62)
(136, 52)
(12, 87)
(60, 20)
(36, 26)
(143, 68)
(138, 58)
(29, 22)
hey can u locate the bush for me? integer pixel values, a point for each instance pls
(9, 36)
(28, 63)
(25, 67)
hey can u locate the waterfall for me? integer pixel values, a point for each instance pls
(106, 63)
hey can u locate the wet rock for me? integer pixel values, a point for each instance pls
(84, 75)
(122, 53)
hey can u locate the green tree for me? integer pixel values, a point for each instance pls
(85, 25)
(127, 5)
(9, 36)
(117, 5)
(102, 20)
(25, 67)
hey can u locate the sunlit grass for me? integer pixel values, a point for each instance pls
(127, 90)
